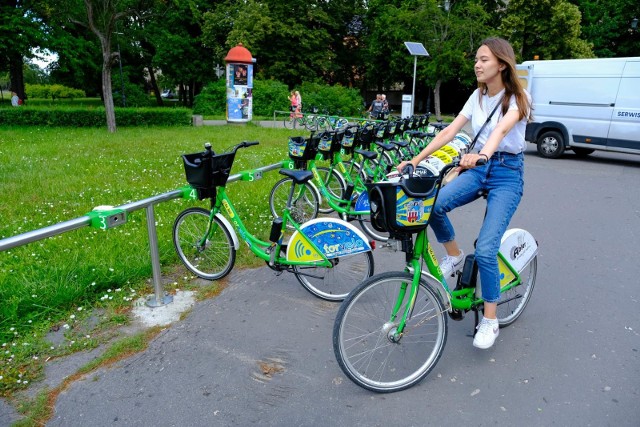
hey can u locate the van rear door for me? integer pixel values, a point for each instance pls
(624, 131)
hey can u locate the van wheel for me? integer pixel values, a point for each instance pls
(551, 144)
(582, 152)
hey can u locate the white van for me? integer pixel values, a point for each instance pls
(583, 105)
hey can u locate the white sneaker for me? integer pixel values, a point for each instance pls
(450, 264)
(488, 331)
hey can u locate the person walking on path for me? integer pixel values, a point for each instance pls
(375, 109)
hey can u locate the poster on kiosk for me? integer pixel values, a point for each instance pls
(239, 85)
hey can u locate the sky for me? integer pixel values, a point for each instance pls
(44, 58)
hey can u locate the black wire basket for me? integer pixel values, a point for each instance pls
(206, 171)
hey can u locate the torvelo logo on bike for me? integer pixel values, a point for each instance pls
(520, 248)
(362, 202)
(334, 239)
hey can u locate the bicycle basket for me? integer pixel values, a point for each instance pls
(301, 148)
(348, 140)
(204, 173)
(325, 143)
(402, 207)
(365, 136)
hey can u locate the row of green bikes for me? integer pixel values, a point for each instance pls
(340, 197)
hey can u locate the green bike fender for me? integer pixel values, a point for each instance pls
(234, 236)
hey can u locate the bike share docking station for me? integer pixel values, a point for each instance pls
(108, 217)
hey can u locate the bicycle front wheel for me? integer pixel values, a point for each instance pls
(512, 302)
(334, 283)
(304, 205)
(365, 339)
(210, 258)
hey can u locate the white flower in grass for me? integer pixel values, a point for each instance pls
(66, 326)
(73, 316)
(79, 308)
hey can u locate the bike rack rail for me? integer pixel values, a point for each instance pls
(105, 217)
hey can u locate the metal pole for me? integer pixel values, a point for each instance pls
(413, 92)
(158, 299)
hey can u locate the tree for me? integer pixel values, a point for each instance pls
(450, 36)
(295, 41)
(21, 28)
(549, 29)
(607, 25)
(101, 18)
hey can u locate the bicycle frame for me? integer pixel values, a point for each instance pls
(463, 299)
(256, 245)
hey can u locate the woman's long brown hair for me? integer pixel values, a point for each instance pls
(505, 55)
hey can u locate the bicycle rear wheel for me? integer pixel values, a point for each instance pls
(365, 224)
(304, 205)
(335, 283)
(290, 122)
(212, 260)
(363, 334)
(335, 184)
(512, 302)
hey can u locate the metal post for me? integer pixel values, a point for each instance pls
(158, 298)
(413, 91)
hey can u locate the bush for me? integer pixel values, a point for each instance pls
(94, 117)
(135, 96)
(272, 95)
(212, 100)
(269, 96)
(53, 92)
(335, 99)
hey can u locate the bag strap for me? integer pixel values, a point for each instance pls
(473, 143)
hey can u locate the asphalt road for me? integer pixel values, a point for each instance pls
(261, 354)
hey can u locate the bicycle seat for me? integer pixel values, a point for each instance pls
(298, 176)
(369, 155)
(401, 143)
(385, 147)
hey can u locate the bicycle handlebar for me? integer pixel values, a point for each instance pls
(409, 169)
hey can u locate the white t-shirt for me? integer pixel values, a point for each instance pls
(513, 142)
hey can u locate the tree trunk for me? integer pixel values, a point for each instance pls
(108, 93)
(16, 74)
(436, 99)
(154, 85)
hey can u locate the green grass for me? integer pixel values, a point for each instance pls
(51, 175)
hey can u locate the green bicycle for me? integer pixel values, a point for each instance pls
(328, 256)
(341, 198)
(391, 330)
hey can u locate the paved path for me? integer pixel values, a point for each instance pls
(261, 352)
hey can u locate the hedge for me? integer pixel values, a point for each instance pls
(95, 117)
(272, 95)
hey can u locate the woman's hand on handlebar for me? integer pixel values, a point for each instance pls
(471, 160)
(403, 164)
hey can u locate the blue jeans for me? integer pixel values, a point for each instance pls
(502, 176)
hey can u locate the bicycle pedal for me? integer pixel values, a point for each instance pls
(456, 315)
